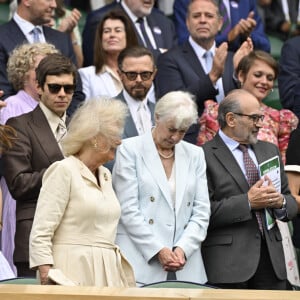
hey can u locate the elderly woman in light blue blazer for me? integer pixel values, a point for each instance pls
(161, 184)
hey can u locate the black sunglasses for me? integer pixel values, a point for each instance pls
(255, 118)
(54, 88)
(133, 75)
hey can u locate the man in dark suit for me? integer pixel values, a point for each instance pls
(32, 16)
(289, 76)
(243, 20)
(160, 30)
(37, 147)
(198, 66)
(137, 71)
(243, 248)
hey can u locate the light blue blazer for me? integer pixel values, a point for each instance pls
(149, 220)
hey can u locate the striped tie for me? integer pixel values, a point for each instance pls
(226, 20)
(36, 34)
(252, 177)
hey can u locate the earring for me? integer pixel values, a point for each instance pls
(95, 144)
(271, 91)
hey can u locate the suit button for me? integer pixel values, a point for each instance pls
(258, 235)
(151, 221)
(152, 199)
(189, 203)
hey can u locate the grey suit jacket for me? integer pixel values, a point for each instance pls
(231, 250)
(33, 152)
(130, 128)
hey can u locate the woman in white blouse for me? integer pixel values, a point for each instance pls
(114, 33)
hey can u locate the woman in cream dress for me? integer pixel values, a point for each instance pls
(76, 219)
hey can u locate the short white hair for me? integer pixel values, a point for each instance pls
(179, 107)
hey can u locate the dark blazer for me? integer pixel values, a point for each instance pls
(130, 128)
(289, 75)
(274, 17)
(162, 28)
(258, 36)
(35, 149)
(11, 36)
(180, 69)
(231, 250)
(293, 159)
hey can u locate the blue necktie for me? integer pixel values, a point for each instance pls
(35, 32)
(208, 61)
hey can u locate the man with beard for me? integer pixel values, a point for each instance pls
(243, 247)
(137, 71)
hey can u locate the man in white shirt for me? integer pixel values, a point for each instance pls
(137, 71)
(37, 147)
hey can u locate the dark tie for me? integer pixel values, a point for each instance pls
(145, 35)
(226, 21)
(252, 177)
(36, 34)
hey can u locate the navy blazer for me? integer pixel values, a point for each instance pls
(258, 36)
(231, 250)
(11, 36)
(162, 28)
(180, 69)
(289, 75)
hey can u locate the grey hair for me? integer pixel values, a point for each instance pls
(231, 103)
(101, 116)
(179, 107)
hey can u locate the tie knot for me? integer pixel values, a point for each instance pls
(140, 20)
(35, 32)
(243, 148)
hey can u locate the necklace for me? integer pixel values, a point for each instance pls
(166, 156)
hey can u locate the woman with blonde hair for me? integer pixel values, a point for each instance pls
(77, 213)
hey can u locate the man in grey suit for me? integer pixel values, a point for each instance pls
(37, 147)
(198, 66)
(243, 248)
(137, 71)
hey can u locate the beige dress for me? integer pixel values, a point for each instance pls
(75, 224)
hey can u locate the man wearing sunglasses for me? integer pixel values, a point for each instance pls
(37, 147)
(137, 71)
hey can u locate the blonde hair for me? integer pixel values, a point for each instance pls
(22, 59)
(98, 116)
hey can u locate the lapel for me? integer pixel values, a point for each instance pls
(15, 33)
(86, 173)
(43, 134)
(153, 163)
(225, 158)
(156, 31)
(190, 56)
(129, 128)
(182, 164)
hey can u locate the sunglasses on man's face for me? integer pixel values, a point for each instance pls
(55, 88)
(131, 76)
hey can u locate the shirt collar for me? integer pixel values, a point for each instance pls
(199, 50)
(132, 102)
(24, 25)
(230, 143)
(52, 118)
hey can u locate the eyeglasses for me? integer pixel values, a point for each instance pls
(55, 88)
(255, 118)
(133, 75)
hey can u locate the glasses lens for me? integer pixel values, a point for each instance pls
(131, 75)
(146, 75)
(55, 88)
